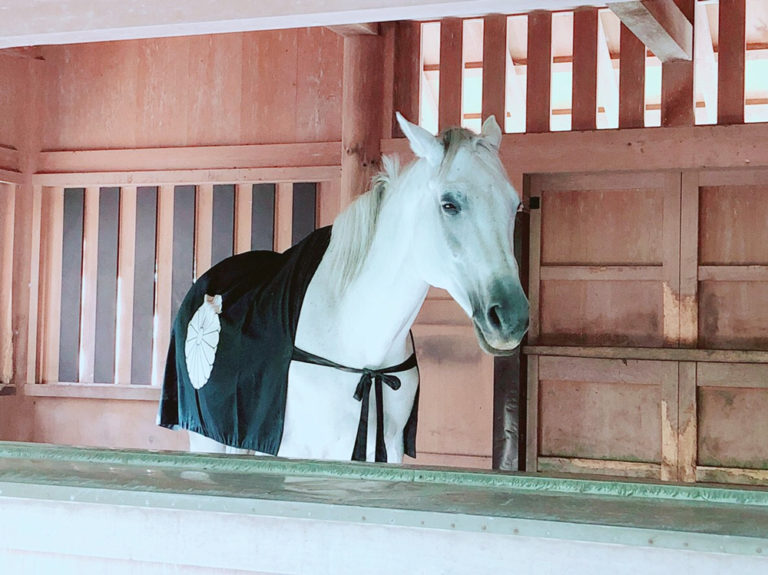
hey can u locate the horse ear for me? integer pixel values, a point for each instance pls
(423, 144)
(491, 131)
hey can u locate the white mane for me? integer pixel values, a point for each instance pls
(354, 228)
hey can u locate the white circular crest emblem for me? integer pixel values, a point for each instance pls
(202, 341)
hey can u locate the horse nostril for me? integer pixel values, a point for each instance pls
(493, 316)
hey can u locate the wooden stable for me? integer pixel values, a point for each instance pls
(128, 167)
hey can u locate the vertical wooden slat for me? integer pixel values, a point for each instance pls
(631, 80)
(184, 239)
(387, 104)
(71, 283)
(90, 280)
(6, 265)
(263, 217)
(671, 259)
(689, 260)
(407, 75)
(223, 228)
(532, 416)
(669, 423)
(730, 62)
(539, 72)
(584, 115)
(283, 216)
(328, 204)
(164, 279)
(203, 229)
(243, 207)
(677, 98)
(494, 66)
(126, 263)
(687, 424)
(106, 286)
(143, 276)
(304, 217)
(449, 109)
(34, 283)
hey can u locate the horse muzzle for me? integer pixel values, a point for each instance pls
(502, 322)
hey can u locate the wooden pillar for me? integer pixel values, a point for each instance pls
(730, 62)
(631, 80)
(539, 72)
(451, 68)
(26, 236)
(677, 102)
(361, 113)
(407, 73)
(584, 116)
(494, 66)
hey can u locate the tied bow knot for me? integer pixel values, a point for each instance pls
(371, 375)
(370, 378)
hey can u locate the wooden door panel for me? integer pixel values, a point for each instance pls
(602, 227)
(733, 314)
(602, 313)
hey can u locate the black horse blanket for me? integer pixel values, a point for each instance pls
(232, 343)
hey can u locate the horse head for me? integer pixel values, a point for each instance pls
(464, 241)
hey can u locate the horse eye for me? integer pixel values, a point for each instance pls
(450, 208)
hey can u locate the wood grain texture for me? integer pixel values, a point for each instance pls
(687, 421)
(126, 260)
(6, 263)
(631, 80)
(677, 97)
(203, 219)
(407, 76)
(90, 248)
(164, 248)
(49, 310)
(243, 206)
(730, 61)
(584, 108)
(494, 67)
(283, 217)
(539, 72)
(451, 72)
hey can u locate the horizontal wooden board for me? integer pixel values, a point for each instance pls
(586, 227)
(649, 353)
(732, 427)
(593, 370)
(729, 273)
(158, 177)
(732, 228)
(601, 313)
(733, 315)
(602, 273)
(613, 468)
(732, 375)
(598, 421)
(190, 158)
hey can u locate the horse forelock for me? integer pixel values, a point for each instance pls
(454, 139)
(354, 228)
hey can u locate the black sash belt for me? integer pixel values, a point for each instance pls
(370, 378)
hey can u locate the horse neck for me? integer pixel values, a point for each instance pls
(375, 312)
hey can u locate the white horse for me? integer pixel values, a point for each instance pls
(445, 220)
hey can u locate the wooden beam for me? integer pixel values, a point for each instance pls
(539, 72)
(88, 298)
(730, 68)
(25, 23)
(356, 29)
(677, 94)
(451, 69)
(584, 114)
(164, 250)
(706, 75)
(126, 261)
(495, 58)
(361, 114)
(407, 77)
(661, 25)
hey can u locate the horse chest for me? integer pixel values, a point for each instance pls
(322, 415)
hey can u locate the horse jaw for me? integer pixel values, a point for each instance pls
(488, 348)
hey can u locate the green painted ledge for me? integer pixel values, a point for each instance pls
(714, 494)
